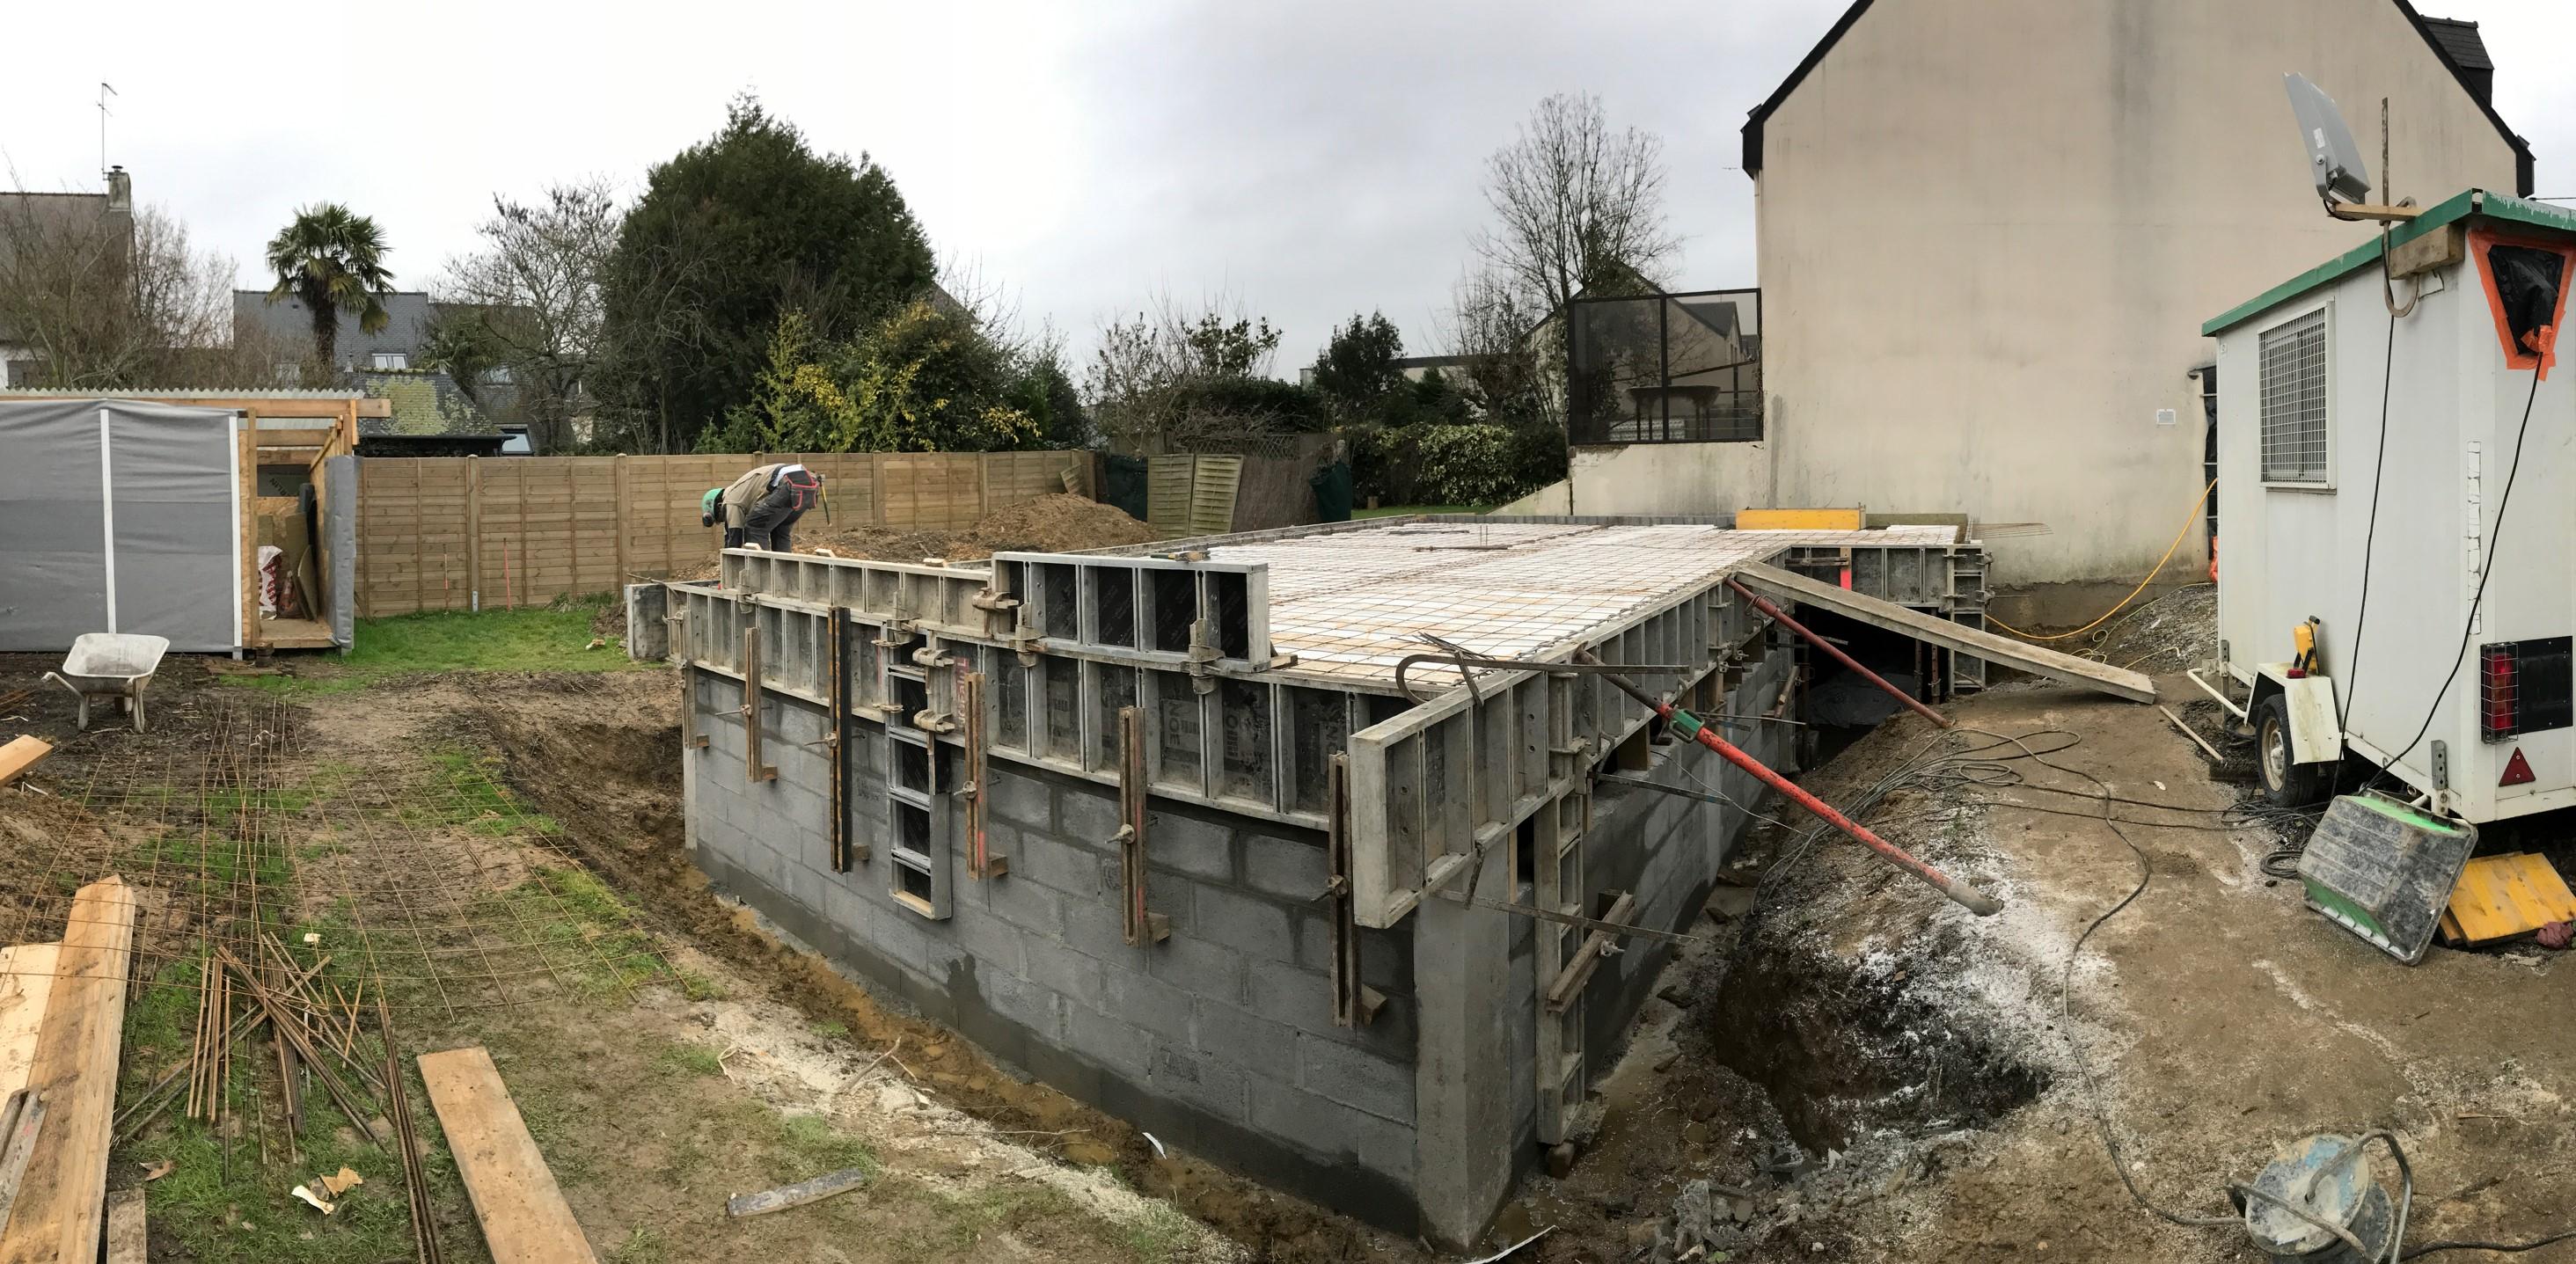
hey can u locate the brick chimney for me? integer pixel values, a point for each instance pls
(120, 190)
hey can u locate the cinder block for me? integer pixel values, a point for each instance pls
(994, 943)
(1200, 966)
(844, 906)
(1122, 1047)
(1024, 800)
(1386, 959)
(1355, 1078)
(1047, 860)
(1257, 927)
(1284, 867)
(1060, 968)
(1200, 1079)
(1036, 1008)
(1086, 812)
(1026, 905)
(1304, 1000)
(1245, 1040)
(1093, 926)
(1332, 1131)
(1184, 844)
(1146, 1002)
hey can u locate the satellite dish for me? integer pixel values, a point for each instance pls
(2333, 159)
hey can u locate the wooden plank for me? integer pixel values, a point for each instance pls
(26, 981)
(63, 1195)
(2081, 672)
(522, 1211)
(126, 1238)
(20, 754)
(2500, 897)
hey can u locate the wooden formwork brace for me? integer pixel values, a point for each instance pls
(836, 685)
(757, 770)
(1139, 925)
(1568, 983)
(980, 861)
(1353, 1002)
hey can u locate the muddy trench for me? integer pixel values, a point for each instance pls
(1844, 1054)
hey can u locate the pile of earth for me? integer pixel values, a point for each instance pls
(1060, 523)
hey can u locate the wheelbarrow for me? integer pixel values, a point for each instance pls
(111, 665)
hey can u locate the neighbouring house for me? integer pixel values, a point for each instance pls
(428, 414)
(432, 414)
(34, 220)
(1988, 232)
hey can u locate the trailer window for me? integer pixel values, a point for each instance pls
(2294, 401)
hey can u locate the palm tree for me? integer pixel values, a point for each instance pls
(333, 260)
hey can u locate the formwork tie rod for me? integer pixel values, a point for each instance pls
(1835, 652)
(1960, 893)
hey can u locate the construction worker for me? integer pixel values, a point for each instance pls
(759, 507)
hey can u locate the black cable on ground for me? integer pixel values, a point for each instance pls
(2499, 1248)
(2469, 627)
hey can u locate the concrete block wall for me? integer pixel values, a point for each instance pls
(1667, 850)
(1218, 1040)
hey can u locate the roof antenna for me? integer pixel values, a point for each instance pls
(105, 90)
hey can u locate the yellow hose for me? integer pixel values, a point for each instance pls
(2188, 519)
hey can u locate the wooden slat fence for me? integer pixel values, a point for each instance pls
(435, 531)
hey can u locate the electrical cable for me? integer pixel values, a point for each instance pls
(2188, 519)
(2370, 534)
(2499, 1248)
(2469, 629)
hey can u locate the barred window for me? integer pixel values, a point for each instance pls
(2294, 401)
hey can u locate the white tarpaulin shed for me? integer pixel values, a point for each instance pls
(119, 516)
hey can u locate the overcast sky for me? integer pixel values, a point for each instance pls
(1307, 159)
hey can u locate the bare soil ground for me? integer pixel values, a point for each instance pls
(1924, 1064)
(1844, 1068)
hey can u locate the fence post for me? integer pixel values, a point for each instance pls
(473, 533)
(617, 490)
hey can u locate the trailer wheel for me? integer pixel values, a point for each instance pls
(2285, 784)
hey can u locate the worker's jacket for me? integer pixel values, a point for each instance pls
(744, 492)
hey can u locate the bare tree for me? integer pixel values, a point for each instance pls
(1577, 207)
(529, 303)
(99, 297)
(1511, 374)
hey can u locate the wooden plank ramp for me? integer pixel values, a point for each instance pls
(19, 754)
(63, 1196)
(126, 1236)
(26, 982)
(2066, 668)
(522, 1211)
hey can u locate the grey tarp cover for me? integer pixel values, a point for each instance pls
(136, 495)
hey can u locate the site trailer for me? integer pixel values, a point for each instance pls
(2397, 520)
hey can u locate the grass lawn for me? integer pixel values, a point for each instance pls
(1390, 511)
(548, 638)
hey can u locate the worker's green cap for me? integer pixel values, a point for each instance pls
(708, 501)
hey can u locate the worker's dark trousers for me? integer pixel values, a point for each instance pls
(733, 537)
(767, 527)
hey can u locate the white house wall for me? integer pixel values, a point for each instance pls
(1990, 229)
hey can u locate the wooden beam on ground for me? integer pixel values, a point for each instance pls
(522, 1211)
(63, 1195)
(1956, 637)
(21, 753)
(26, 982)
(125, 1227)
